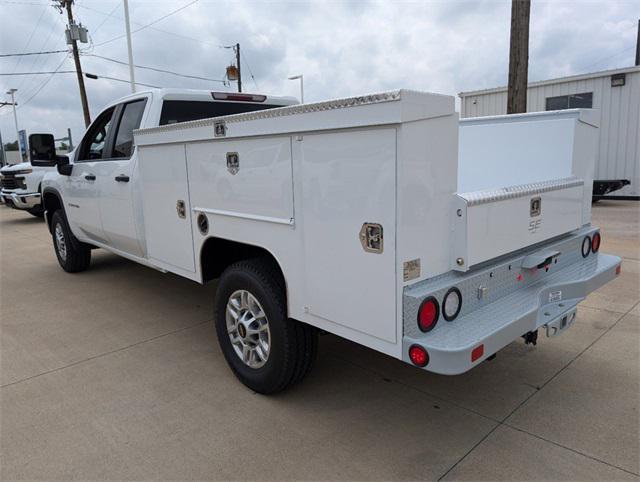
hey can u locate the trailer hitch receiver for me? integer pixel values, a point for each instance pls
(531, 337)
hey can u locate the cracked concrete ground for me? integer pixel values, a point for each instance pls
(115, 374)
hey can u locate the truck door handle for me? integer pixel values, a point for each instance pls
(90, 177)
(122, 178)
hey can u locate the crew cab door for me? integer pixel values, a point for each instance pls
(116, 180)
(81, 192)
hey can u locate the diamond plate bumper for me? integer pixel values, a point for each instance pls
(518, 301)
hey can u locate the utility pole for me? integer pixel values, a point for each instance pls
(12, 93)
(129, 48)
(238, 65)
(638, 45)
(3, 155)
(76, 58)
(518, 57)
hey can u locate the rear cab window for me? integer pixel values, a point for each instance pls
(174, 111)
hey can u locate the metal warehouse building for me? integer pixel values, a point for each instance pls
(616, 93)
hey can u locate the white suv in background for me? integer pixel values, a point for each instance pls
(21, 187)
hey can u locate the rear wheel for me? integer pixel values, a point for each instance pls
(267, 351)
(72, 255)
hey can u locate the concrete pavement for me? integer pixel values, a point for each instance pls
(115, 373)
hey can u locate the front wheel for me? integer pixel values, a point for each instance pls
(72, 255)
(267, 351)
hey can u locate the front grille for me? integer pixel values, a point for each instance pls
(10, 182)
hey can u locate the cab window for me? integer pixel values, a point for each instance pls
(174, 111)
(94, 144)
(129, 121)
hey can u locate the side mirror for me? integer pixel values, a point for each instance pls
(42, 150)
(64, 168)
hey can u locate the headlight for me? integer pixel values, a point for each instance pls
(22, 171)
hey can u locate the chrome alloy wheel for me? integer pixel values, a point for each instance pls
(248, 328)
(61, 245)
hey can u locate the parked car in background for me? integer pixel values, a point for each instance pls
(21, 187)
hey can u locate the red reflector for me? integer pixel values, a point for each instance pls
(477, 353)
(418, 356)
(428, 314)
(618, 269)
(595, 242)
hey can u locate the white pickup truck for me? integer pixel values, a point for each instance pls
(380, 218)
(20, 187)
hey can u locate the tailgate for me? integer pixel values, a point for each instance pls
(491, 223)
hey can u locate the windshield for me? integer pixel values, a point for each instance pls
(174, 111)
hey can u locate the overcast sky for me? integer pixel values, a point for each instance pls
(342, 47)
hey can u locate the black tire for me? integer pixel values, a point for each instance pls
(293, 345)
(76, 256)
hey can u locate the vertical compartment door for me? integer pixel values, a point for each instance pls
(349, 179)
(166, 206)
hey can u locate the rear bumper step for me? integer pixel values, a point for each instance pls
(547, 300)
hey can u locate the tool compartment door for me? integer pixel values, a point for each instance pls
(349, 179)
(492, 223)
(243, 177)
(163, 181)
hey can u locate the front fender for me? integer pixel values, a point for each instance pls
(51, 201)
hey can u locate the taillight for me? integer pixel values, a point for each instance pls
(586, 246)
(428, 314)
(418, 355)
(595, 242)
(451, 304)
(618, 269)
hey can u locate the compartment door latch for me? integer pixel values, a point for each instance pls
(372, 238)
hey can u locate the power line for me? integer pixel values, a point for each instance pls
(51, 72)
(8, 2)
(168, 32)
(46, 81)
(108, 16)
(155, 69)
(246, 62)
(30, 37)
(608, 58)
(43, 62)
(25, 54)
(96, 77)
(149, 24)
(38, 61)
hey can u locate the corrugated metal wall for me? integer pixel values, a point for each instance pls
(619, 145)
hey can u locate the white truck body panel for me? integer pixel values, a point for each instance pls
(309, 177)
(169, 241)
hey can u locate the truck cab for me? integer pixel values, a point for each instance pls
(98, 187)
